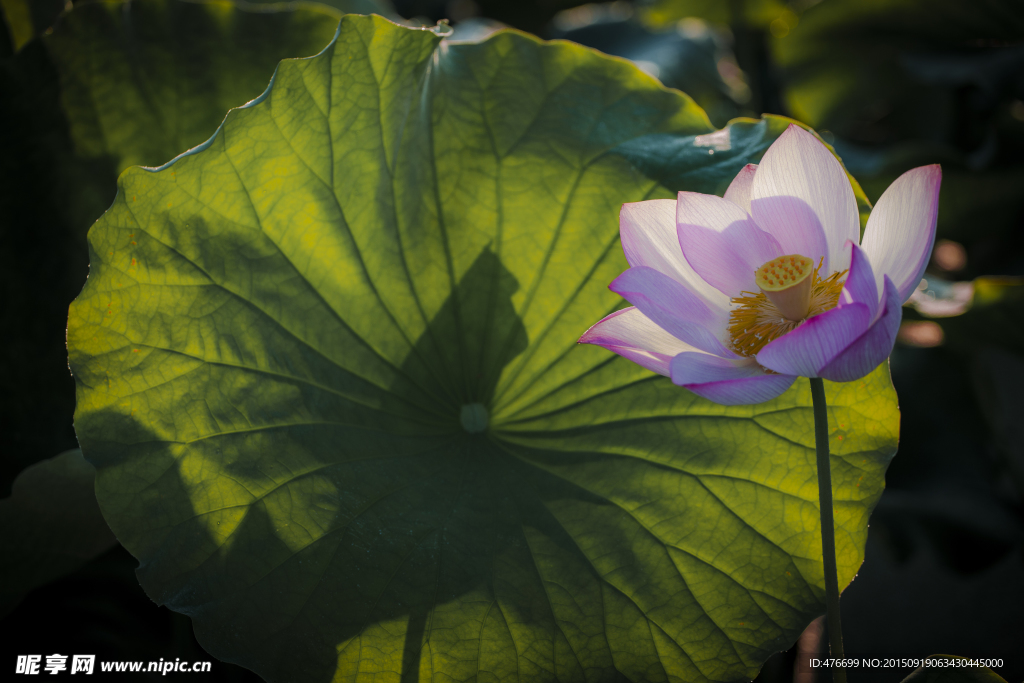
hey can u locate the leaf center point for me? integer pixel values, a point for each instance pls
(473, 417)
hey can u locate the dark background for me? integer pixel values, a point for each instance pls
(892, 86)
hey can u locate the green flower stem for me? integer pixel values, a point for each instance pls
(828, 533)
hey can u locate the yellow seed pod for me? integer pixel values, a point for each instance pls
(784, 272)
(786, 281)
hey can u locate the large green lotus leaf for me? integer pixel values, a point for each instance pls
(49, 526)
(327, 372)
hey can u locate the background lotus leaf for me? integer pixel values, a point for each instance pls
(49, 526)
(113, 84)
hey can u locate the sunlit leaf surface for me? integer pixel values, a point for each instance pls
(327, 372)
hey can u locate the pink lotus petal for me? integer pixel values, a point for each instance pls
(860, 282)
(817, 340)
(648, 233)
(727, 382)
(635, 337)
(674, 308)
(872, 347)
(694, 367)
(721, 242)
(744, 391)
(802, 232)
(802, 196)
(739, 189)
(901, 229)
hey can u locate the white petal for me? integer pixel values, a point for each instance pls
(633, 335)
(648, 234)
(739, 189)
(801, 195)
(901, 230)
(674, 308)
(721, 242)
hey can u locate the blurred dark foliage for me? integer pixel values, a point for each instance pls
(46, 267)
(892, 85)
(532, 16)
(101, 609)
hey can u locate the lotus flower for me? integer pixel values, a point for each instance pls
(736, 297)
